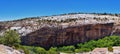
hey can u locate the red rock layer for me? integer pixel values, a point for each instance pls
(47, 36)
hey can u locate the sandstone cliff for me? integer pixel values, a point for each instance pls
(55, 36)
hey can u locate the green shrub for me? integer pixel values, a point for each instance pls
(52, 50)
(110, 49)
(77, 50)
(67, 49)
(40, 50)
(82, 50)
(11, 38)
(26, 51)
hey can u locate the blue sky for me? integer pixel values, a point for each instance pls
(16, 9)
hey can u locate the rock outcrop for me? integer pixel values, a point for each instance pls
(8, 50)
(56, 36)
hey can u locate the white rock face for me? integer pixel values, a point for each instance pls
(15, 28)
(9, 50)
(24, 30)
(90, 16)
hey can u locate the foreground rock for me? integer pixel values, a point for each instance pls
(8, 50)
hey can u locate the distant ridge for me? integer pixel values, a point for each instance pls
(112, 14)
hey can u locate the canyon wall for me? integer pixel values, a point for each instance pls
(58, 36)
(63, 29)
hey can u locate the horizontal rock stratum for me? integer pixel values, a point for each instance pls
(62, 30)
(47, 37)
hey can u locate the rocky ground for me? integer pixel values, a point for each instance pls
(8, 50)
